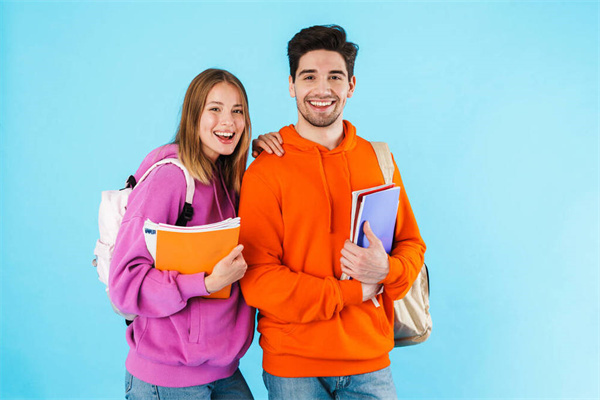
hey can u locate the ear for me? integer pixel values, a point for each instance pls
(352, 86)
(292, 89)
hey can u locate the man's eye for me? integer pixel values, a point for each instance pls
(335, 77)
(309, 78)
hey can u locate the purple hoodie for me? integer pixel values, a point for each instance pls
(178, 339)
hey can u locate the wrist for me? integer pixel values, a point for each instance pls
(210, 284)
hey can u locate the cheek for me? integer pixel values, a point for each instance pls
(206, 122)
(240, 124)
(301, 93)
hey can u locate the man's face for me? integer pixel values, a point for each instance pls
(321, 87)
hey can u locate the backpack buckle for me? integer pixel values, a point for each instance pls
(130, 183)
(186, 215)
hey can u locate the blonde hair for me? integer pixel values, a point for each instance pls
(188, 139)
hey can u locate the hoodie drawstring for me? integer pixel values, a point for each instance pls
(227, 194)
(217, 199)
(218, 171)
(347, 170)
(325, 188)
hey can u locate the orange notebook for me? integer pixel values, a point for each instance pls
(192, 249)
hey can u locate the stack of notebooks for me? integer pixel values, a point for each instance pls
(193, 249)
(379, 206)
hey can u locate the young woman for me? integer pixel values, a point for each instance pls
(183, 345)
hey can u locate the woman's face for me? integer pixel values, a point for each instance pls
(222, 121)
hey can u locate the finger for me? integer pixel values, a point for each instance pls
(349, 256)
(352, 248)
(278, 141)
(240, 258)
(345, 263)
(276, 146)
(254, 154)
(265, 146)
(237, 250)
(273, 146)
(373, 240)
(278, 136)
(348, 271)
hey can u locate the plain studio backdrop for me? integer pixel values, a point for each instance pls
(491, 111)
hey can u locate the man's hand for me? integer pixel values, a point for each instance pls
(370, 265)
(370, 290)
(269, 142)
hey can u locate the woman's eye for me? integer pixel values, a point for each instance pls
(213, 109)
(238, 111)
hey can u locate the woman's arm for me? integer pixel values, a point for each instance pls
(136, 287)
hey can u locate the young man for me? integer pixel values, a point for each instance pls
(322, 337)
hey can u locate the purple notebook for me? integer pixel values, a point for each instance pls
(380, 209)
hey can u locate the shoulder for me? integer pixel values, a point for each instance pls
(165, 186)
(264, 173)
(266, 165)
(160, 153)
(361, 142)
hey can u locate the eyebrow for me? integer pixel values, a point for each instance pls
(219, 103)
(312, 71)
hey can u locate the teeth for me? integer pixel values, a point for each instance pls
(227, 135)
(321, 103)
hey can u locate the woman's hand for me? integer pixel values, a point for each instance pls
(230, 269)
(269, 142)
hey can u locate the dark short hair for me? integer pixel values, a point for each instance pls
(321, 37)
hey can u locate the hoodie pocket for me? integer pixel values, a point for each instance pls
(384, 323)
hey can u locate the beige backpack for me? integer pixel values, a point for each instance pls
(412, 321)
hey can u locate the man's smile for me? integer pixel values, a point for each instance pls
(321, 105)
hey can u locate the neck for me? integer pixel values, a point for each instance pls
(329, 136)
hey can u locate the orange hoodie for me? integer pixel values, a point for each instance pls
(295, 214)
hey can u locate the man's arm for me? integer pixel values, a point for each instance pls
(398, 270)
(272, 287)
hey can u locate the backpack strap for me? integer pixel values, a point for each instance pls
(188, 211)
(384, 157)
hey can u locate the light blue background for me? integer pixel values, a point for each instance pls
(491, 109)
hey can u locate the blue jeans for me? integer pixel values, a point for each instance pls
(234, 387)
(373, 385)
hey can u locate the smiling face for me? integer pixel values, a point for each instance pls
(321, 87)
(222, 121)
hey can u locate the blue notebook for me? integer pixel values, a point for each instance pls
(380, 209)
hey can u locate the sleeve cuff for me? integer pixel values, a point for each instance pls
(191, 285)
(396, 269)
(351, 292)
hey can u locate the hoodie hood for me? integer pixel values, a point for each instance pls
(294, 141)
(172, 151)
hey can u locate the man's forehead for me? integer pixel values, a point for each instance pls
(323, 61)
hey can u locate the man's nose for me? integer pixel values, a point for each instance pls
(323, 86)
